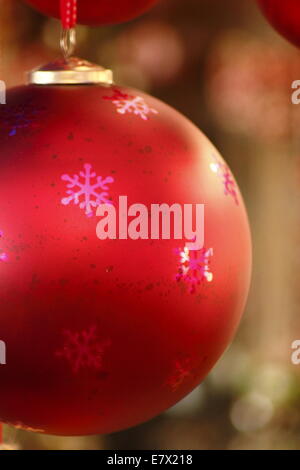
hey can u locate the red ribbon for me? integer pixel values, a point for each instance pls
(68, 13)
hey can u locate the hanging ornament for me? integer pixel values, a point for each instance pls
(96, 12)
(105, 334)
(284, 16)
(109, 313)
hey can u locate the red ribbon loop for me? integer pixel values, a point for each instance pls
(68, 13)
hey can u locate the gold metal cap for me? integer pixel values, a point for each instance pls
(71, 71)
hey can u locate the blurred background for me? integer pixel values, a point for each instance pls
(220, 64)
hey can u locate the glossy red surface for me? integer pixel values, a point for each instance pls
(97, 12)
(103, 335)
(284, 15)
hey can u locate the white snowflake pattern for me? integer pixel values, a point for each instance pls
(195, 267)
(131, 104)
(83, 349)
(223, 171)
(3, 256)
(93, 194)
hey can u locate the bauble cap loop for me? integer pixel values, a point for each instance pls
(73, 71)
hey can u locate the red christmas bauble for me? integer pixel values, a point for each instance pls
(103, 334)
(97, 12)
(284, 16)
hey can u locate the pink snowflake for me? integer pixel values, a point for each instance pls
(182, 371)
(223, 171)
(92, 194)
(130, 104)
(83, 349)
(194, 267)
(3, 256)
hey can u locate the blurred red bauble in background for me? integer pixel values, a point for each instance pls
(104, 334)
(97, 12)
(284, 15)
